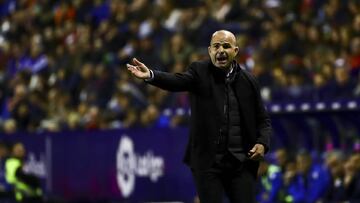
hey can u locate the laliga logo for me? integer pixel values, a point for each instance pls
(35, 167)
(129, 165)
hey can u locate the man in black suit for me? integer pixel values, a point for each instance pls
(229, 126)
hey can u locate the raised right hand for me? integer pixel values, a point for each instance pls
(138, 69)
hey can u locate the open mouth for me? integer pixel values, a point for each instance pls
(222, 59)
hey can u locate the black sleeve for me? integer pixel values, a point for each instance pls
(175, 81)
(263, 122)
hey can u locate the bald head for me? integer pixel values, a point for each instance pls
(223, 49)
(224, 34)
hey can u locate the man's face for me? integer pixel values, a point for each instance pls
(222, 49)
(303, 163)
(19, 150)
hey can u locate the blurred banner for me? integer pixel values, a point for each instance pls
(132, 165)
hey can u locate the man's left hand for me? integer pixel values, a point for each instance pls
(257, 152)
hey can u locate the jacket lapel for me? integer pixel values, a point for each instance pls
(218, 89)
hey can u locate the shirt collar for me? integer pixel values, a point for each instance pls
(231, 70)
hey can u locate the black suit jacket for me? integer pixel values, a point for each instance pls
(206, 86)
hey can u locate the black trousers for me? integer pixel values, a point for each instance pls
(228, 176)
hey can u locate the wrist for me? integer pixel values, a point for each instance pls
(151, 76)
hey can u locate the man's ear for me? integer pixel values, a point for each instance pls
(209, 49)
(236, 50)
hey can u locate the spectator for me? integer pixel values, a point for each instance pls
(335, 190)
(310, 182)
(351, 178)
(26, 186)
(6, 191)
(270, 183)
(281, 158)
(9, 126)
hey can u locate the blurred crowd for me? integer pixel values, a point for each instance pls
(303, 177)
(62, 63)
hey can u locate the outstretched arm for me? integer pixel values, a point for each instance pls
(167, 81)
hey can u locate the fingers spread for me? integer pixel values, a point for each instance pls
(137, 62)
(129, 66)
